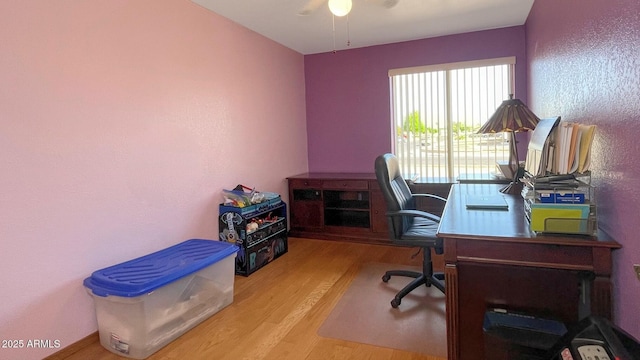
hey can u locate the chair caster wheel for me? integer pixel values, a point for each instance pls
(395, 303)
(386, 278)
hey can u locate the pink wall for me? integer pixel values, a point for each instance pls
(348, 92)
(120, 123)
(584, 59)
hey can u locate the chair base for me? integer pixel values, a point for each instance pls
(436, 279)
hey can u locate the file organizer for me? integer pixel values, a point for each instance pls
(561, 208)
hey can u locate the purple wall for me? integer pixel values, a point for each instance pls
(347, 93)
(584, 64)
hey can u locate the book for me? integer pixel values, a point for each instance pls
(489, 202)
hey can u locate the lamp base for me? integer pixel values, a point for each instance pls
(514, 188)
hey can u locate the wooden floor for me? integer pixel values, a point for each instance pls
(277, 311)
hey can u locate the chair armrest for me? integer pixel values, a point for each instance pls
(414, 213)
(430, 196)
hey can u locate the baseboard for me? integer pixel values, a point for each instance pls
(75, 347)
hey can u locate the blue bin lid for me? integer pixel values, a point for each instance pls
(147, 273)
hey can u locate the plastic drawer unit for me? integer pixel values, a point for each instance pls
(145, 303)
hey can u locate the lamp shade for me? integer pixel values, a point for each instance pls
(511, 115)
(340, 7)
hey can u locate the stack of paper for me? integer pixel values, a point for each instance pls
(559, 148)
(584, 155)
(540, 149)
(572, 148)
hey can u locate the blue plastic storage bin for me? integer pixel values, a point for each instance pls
(145, 303)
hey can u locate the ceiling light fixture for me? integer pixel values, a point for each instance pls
(340, 7)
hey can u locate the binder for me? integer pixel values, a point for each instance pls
(538, 150)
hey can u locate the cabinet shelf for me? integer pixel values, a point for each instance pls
(347, 218)
(347, 206)
(265, 232)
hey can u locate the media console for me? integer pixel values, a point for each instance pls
(345, 206)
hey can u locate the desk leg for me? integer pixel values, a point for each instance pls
(451, 294)
(601, 286)
(601, 297)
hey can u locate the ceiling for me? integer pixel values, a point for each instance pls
(369, 22)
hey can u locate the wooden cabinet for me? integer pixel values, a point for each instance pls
(305, 198)
(336, 206)
(379, 221)
(342, 206)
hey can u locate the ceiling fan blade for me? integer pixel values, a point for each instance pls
(311, 6)
(385, 3)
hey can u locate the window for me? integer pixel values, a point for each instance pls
(436, 111)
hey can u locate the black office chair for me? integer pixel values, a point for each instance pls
(408, 226)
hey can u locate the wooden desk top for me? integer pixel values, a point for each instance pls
(501, 225)
(482, 179)
(367, 176)
(335, 176)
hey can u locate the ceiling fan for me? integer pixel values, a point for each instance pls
(313, 5)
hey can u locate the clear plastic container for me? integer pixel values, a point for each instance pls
(145, 303)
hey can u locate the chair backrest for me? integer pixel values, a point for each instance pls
(396, 192)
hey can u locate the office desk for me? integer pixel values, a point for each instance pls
(482, 179)
(493, 259)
